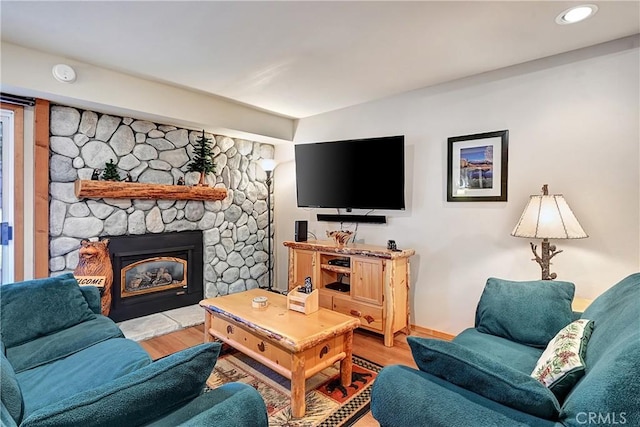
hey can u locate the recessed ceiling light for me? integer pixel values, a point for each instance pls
(576, 14)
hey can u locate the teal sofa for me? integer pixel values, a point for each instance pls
(64, 364)
(483, 377)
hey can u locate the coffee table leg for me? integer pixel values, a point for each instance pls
(297, 386)
(207, 326)
(346, 364)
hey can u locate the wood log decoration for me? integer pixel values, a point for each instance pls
(93, 260)
(137, 190)
(341, 237)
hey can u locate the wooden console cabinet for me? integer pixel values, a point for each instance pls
(376, 282)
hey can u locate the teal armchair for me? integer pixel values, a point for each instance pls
(484, 377)
(62, 363)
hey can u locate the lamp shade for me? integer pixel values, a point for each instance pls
(268, 165)
(548, 217)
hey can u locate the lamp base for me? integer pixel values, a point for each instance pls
(547, 252)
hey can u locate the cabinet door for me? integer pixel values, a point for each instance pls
(302, 265)
(367, 279)
(325, 299)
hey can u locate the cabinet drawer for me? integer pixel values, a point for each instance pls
(370, 316)
(263, 347)
(224, 328)
(251, 341)
(324, 351)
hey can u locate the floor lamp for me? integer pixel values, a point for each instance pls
(268, 165)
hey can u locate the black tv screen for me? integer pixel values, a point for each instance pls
(357, 174)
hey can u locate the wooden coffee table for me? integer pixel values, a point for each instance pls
(293, 344)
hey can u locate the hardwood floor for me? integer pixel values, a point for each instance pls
(175, 341)
(365, 344)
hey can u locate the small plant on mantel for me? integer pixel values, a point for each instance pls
(202, 161)
(110, 172)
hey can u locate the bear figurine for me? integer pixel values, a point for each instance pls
(93, 260)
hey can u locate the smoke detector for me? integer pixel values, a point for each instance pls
(64, 73)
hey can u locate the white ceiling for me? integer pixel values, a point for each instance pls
(304, 58)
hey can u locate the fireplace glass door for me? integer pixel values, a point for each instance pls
(153, 275)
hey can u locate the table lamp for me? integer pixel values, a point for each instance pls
(548, 217)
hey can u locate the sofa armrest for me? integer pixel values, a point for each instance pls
(402, 396)
(234, 404)
(92, 295)
(6, 420)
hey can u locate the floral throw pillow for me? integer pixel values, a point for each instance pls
(561, 364)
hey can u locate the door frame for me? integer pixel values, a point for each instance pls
(41, 189)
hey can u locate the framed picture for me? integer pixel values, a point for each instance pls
(477, 167)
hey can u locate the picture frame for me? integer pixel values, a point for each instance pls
(477, 167)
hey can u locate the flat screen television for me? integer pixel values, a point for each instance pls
(351, 174)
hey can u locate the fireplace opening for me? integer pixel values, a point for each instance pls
(153, 275)
(155, 272)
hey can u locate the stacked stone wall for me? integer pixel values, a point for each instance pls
(234, 229)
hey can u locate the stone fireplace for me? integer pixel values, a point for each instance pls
(155, 272)
(234, 230)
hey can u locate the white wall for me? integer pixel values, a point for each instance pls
(27, 72)
(573, 123)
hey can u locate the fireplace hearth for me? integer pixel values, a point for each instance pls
(155, 272)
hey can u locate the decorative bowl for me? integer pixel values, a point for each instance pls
(340, 237)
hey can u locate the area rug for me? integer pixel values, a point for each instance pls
(327, 402)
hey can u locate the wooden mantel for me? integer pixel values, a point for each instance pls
(137, 190)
